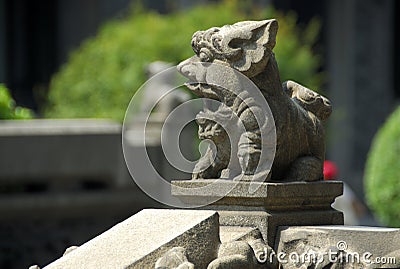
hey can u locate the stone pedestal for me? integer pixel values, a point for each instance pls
(267, 206)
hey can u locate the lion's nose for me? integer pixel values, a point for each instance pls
(181, 67)
(188, 72)
(189, 68)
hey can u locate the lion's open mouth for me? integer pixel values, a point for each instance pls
(202, 90)
(194, 87)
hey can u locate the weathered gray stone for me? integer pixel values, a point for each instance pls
(236, 233)
(252, 214)
(242, 247)
(271, 204)
(145, 237)
(297, 111)
(272, 196)
(62, 151)
(69, 250)
(174, 258)
(269, 221)
(234, 255)
(339, 247)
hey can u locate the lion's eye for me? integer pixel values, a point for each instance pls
(205, 55)
(216, 42)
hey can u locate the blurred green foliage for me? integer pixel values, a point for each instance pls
(382, 175)
(103, 74)
(8, 109)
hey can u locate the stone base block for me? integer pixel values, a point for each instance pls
(265, 205)
(269, 222)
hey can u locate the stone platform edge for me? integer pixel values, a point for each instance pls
(270, 195)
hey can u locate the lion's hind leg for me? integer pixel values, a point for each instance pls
(306, 168)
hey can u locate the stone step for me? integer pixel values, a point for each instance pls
(141, 240)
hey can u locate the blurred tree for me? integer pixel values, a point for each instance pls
(103, 74)
(8, 109)
(382, 175)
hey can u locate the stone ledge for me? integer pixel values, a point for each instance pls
(282, 196)
(48, 127)
(235, 233)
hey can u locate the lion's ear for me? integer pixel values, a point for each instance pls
(255, 40)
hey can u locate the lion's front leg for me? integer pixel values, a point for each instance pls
(216, 157)
(307, 168)
(206, 167)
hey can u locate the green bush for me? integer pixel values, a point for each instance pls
(103, 74)
(8, 109)
(382, 175)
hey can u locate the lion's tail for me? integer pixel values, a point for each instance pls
(311, 101)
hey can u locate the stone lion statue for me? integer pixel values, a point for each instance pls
(298, 112)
